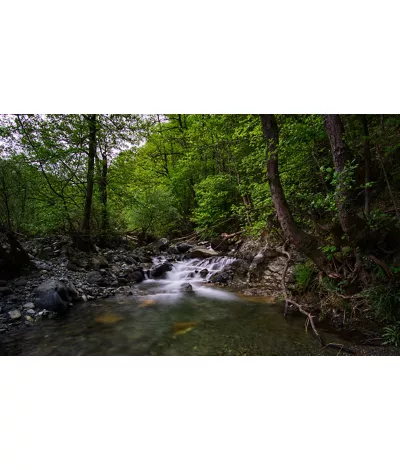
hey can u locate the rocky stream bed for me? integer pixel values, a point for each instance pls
(142, 300)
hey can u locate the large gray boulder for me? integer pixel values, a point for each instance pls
(200, 252)
(52, 295)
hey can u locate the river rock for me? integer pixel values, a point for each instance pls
(159, 246)
(72, 267)
(96, 278)
(160, 269)
(29, 305)
(183, 247)
(98, 262)
(173, 250)
(222, 277)
(14, 314)
(199, 252)
(52, 295)
(137, 275)
(186, 287)
(203, 273)
(221, 244)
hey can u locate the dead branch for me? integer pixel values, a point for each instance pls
(382, 265)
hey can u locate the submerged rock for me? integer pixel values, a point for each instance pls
(186, 287)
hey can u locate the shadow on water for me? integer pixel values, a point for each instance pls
(159, 319)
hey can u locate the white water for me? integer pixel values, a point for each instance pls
(168, 289)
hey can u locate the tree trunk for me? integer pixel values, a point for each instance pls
(303, 241)
(367, 166)
(351, 224)
(90, 176)
(103, 195)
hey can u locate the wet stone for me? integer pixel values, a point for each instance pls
(29, 305)
(14, 314)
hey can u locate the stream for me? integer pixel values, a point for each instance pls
(160, 319)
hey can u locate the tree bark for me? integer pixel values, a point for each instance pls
(103, 194)
(367, 166)
(351, 224)
(304, 242)
(91, 118)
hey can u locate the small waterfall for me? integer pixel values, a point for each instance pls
(190, 271)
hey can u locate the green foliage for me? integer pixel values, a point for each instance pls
(214, 196)
(391, 334)
(385, 301)
(304, 274)
(329, 250)
(153, 212)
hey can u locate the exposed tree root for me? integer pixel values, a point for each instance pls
(310, 318)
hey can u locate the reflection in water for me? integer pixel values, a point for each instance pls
(160, 319)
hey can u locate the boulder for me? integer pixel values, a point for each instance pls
(160, 269)
(199, 252)
(137, 275)
(222, 277)
(52, 295)
(173, 250)
(183, 247)
(221, 244)
(159, 246)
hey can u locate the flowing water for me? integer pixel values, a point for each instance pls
(160, 319)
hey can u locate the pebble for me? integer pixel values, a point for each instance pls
(30, 311)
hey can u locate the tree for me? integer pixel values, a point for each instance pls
(303, 241)
(351, 224)
(92, 122)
